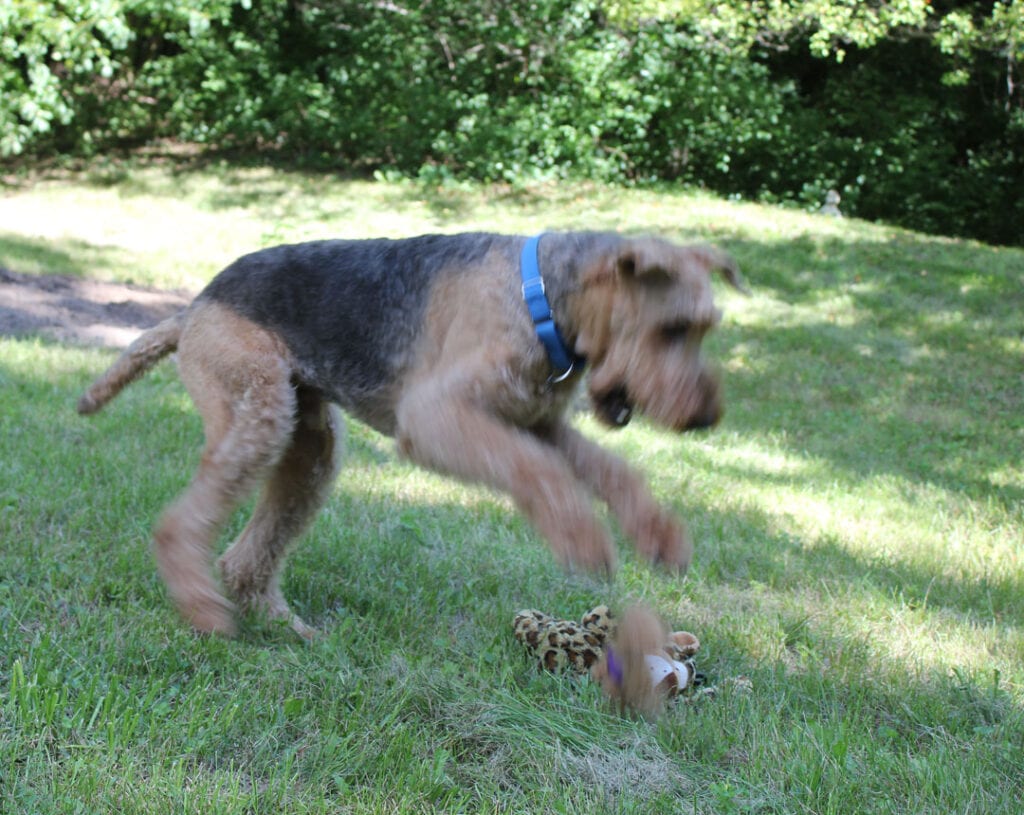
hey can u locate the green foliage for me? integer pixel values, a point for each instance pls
(55, 57)
(916, 115)
(593, 101)
(716, 116)
(829, 28)
(905, 146)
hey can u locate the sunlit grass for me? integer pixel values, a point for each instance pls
(858, 521)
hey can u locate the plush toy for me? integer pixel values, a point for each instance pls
(636, 661)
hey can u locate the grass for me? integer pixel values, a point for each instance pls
(858, 522)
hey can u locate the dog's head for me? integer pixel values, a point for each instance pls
(648, 307)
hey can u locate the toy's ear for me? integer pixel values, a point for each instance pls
(685, 641)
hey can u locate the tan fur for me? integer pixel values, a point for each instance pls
(139, 357)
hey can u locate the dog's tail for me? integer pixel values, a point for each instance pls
(136, 360)
(640, 632)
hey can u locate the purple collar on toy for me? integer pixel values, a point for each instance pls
(614, 666)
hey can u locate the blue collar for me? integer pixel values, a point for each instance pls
(562, 360)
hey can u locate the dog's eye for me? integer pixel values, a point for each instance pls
(675, 332)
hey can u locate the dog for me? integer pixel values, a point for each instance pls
(466, 349)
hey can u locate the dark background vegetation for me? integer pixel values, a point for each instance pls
(913, 110)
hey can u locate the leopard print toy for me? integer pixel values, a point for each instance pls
(595, 646)
(564, 644)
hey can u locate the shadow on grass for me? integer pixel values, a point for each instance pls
(66, 256)
(294, 190)
(426, 589)
(888, 270)
(883, 367)
(745, 546)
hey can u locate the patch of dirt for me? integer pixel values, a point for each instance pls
(81, 312)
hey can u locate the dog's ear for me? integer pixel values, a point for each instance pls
(712, 259)
(645, 261)
(653, 262)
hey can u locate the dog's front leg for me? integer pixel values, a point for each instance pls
(658, 535)
(458, 437)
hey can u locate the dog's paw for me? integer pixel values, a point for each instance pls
(665, 542)
(597, 562)
(561, 512)
(585, 545)
(209, 614)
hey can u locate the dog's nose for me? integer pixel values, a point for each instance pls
(710, 412)
(708, 417)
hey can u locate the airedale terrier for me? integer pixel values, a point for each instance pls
(466, 348)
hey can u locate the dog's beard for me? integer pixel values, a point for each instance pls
(613, 407)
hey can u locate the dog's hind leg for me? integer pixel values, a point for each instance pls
(658, 535)
(295, 490)
(241, 385)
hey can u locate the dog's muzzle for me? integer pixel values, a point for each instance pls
(705, 419)
(696, 409)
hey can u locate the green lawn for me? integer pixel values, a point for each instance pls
(857, 518)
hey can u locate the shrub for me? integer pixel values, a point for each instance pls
(761, 100)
